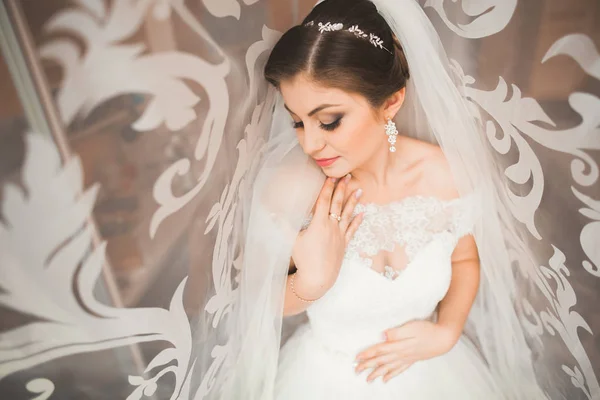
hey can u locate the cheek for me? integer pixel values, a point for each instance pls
(354, 140)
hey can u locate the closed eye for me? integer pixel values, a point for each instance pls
(332, 126)
(328, 127)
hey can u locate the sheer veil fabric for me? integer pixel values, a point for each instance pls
(238, 356)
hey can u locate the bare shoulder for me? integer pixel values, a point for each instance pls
(436, 175)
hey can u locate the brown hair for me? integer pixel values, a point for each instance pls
(340, 59)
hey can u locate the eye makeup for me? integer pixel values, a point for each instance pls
(327, 127)
(332, 126)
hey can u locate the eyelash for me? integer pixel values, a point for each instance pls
(327, 127)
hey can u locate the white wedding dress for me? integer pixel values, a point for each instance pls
(371, 295)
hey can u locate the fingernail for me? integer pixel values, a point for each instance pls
(334, 180)
(347, 178)
(359, 193)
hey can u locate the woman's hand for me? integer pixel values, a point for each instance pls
(405, 345)
(319, 250)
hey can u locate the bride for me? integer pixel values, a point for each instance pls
(392, 212)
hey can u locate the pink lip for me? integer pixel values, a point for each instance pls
(326, 162)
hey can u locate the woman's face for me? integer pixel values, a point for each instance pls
(340, 130)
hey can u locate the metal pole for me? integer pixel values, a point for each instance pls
(17, 66)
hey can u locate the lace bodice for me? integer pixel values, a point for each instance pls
(396, 268)
(401, 229)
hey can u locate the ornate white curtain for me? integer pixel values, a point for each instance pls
(127, 128)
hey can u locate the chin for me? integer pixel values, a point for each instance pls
(335, 172)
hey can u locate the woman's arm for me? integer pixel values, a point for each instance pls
(292, 303)
(455, 306)
(319, 250)
(298, 295)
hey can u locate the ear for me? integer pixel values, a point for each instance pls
(393, 103)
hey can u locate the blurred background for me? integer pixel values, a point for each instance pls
(142, 94)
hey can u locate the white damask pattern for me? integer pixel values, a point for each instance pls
(110, 68)
(488, 16)
(45, 246)
(590, 233)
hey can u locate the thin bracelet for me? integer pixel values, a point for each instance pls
(296, 294)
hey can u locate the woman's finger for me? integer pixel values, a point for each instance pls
(324, 199)
(377, 350)
(396, 370)
(384, 352)
(375, 362)
(383, 370)
(403, 346)
(338, 196)
(353, 227)
(349, 210)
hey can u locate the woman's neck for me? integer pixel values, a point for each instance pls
(384, 167)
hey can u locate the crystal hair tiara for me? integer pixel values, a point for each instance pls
(329, 27)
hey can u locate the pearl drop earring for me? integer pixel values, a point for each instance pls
(392, 134)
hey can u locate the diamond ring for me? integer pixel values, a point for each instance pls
(335, 216)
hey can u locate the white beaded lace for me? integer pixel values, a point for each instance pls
(391, 235)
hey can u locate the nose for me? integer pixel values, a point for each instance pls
(312, 141)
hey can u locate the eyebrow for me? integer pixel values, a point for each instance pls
(316, 110)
